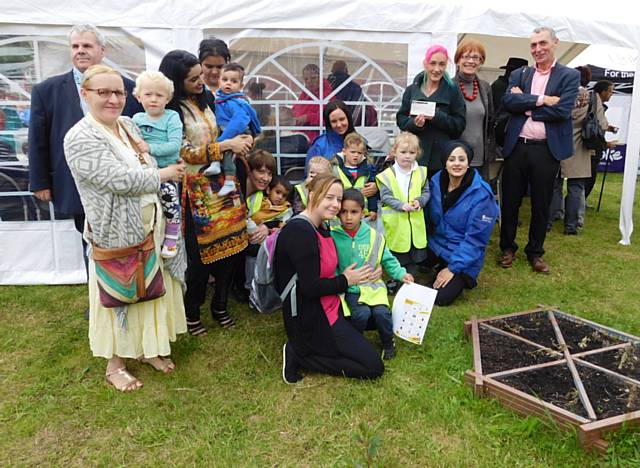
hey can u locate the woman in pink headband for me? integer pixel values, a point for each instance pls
(434, 128)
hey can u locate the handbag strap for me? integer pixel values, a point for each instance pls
(592, 103)
(132, 142)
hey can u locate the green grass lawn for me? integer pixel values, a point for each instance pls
(226, 404)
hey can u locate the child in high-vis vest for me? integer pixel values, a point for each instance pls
(318, 165)
(357, 244)
(274, 209)
(404, 192)
(355, 171)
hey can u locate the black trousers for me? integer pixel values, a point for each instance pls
(78, 220)
(453, 289)
(356, 357)
(197, 276)
(530, 165)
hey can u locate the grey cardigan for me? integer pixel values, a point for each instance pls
(110, 190)
(486, 95)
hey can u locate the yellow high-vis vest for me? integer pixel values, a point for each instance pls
(375, 292)
(358, 185)
(404, 229)
(302, 191)
(254, 201)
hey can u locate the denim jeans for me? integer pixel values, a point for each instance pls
(363, 314)
(571, 207)
(556, 210)
(573, 204)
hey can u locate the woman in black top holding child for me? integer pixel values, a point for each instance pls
(319, 337)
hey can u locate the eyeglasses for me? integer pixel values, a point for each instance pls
(106, 93)
(475, 58)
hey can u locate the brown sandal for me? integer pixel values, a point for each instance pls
(122, 380)
(164, 365)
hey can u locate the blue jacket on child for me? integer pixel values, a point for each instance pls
(235, 115)
(460, 236)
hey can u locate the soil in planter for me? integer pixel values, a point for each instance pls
(581, 337)
(501, 353)
(625, 361)
(551, 384)
(609, 396)
(534, 327)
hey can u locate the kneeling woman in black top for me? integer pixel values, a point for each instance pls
(319, 338)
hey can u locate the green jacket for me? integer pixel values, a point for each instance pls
(356, 250)
(447, 124)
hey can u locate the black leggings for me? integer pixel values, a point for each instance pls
(197, 276)
(453, 289)
(356, 357)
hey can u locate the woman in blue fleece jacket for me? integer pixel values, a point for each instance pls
(461, 214)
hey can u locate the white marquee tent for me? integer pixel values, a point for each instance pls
(389, 36)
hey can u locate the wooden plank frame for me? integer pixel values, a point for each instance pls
(590, 432)
(477, 361)
(572, 368)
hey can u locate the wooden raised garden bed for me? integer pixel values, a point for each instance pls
(554, 365)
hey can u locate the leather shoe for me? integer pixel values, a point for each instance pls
(506, 260)
(539, 265)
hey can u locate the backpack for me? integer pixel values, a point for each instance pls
(592, 133)
(263, 295)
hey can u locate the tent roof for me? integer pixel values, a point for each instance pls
(587, 21)
(499, 50)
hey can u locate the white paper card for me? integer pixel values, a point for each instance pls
(427, 108)
(411, 311)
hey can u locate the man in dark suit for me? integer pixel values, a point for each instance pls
(539, 135)
(55, 108)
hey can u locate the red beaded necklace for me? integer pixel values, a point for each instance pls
(476, 89)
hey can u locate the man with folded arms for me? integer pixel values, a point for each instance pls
(538, 136)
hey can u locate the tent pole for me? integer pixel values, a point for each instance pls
(604, 177)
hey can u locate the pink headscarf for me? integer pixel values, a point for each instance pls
(434, 49)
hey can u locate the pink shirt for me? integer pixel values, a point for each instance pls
(534, 129)
(328, 264)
